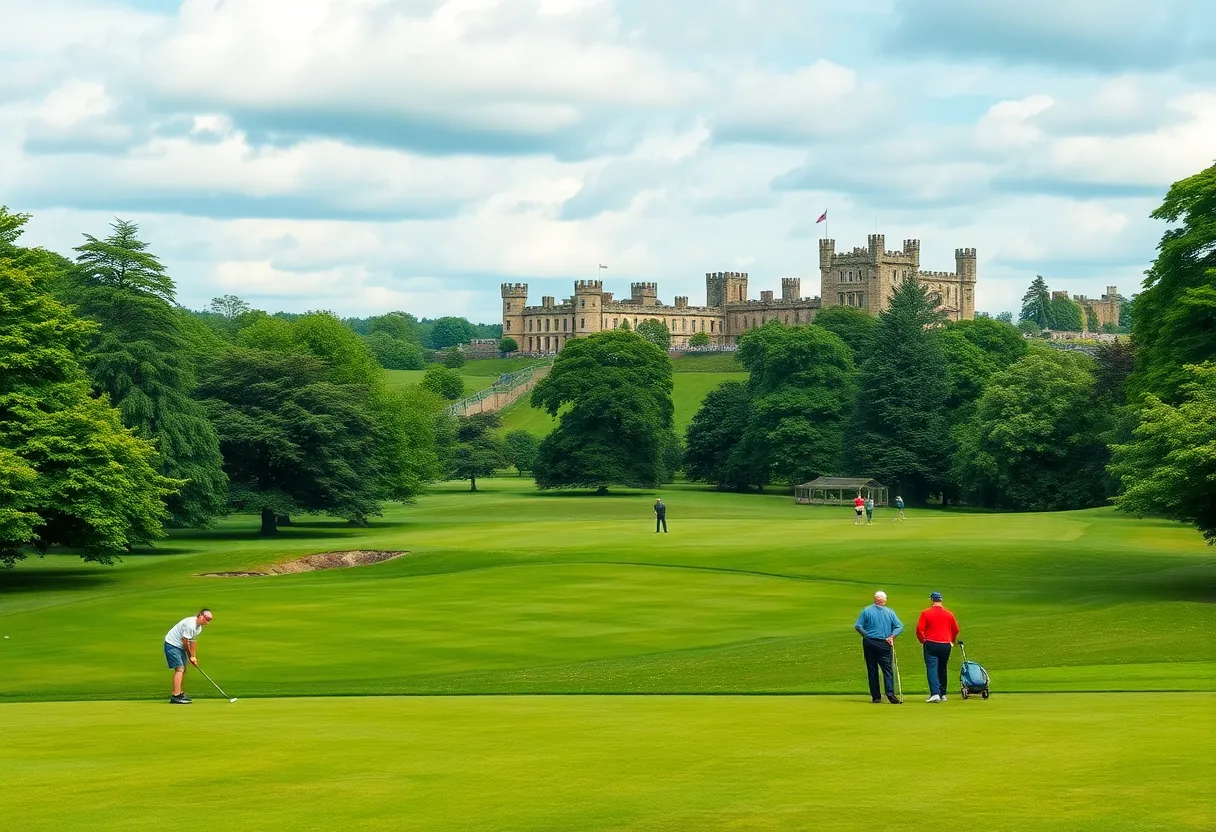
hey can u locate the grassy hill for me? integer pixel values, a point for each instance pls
(478, 374)
(509, 591)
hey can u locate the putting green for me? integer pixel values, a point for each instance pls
(1055, 762)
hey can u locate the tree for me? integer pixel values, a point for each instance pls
(1174, 318)
(698, 339)
(479, 452)
(1005, 317)
(446, 382)
(854, 326)
(228, 306)
(802, 391)
(613, 391)
(449, 331)
(716, 452)
(399, 325)
(1035, 442)
(899, 431)
(1169, 467)
(139, 357)
(655, 331)
(625, 324)
(395, 353)
(293, 441)
(1066, 314)
(508, 345)
(522, 447)
(1036, 304)
(453, 358)
(70, 473)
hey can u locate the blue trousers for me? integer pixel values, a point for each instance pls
(937, 661)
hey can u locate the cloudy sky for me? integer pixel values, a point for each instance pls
(369, 155)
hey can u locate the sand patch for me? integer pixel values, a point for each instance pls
(314, 563)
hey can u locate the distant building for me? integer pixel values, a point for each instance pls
(863, 278)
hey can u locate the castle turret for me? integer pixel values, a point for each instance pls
(912, 249)
(736, 287)
(791, 288)
(766, 297)
(588, 306)
(514, 299)
(876, 246)
(644, 294)
(964, 267)
(827, 285)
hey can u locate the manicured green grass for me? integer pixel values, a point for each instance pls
(478, 374)
(509, 591)
(707, 362)
(1083, 763)
(689, 389)
(407, 378)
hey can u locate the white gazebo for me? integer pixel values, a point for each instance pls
(839, 491)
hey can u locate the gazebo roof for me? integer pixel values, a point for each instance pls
(843, 482)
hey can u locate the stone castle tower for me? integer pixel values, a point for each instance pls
(865, 277)
(514, 299)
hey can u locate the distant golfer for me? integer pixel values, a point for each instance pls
(878, 626)
(869, 511)
(660, 516)
(859, 508)
(179, 649)
(899, 509)
(937, 629)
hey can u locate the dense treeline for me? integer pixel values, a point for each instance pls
(121, 413)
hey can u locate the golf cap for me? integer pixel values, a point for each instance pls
(935, 596)
(880, 595)
(207, 615)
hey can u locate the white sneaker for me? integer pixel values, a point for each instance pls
(943, 697)
(934, 698)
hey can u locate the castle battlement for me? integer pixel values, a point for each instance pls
(515, 290)
(586, 287)
(967, 253)
(938, 275)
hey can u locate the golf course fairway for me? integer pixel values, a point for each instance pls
(549, 662)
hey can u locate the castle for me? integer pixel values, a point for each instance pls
(1104, 309)
(863, 278)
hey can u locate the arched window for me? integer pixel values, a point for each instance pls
(529, 324)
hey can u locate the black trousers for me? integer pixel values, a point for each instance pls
(878, 655)
(937, 661)
(660, 520)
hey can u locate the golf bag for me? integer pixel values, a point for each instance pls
(972, 676)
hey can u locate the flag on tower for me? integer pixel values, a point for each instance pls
(822, 218)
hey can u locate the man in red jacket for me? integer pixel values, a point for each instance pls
(937, 629)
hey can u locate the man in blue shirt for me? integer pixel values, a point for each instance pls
(879, 625)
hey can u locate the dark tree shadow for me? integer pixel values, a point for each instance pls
(16, 580)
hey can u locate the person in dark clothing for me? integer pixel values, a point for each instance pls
(660, 516)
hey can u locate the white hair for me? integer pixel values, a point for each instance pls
(880, 594)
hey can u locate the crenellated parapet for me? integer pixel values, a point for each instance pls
(515, 290)
(588, 287)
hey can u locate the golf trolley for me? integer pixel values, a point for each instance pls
(972, 676)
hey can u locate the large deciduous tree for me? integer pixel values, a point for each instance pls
(1174, 318)
(70, 473)
(522, 447)
(898, 433)
(479, 451)
(613, 391)
(140, 357)
(854, 326)
(655, 331)
(716, 451)
(802, 392)
(1169, 466)
(448, 332)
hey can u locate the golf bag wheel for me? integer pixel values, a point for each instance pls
(965, 694)
(984, 694)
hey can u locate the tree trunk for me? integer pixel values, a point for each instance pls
(603, 489)
(269, 523)
(284, 519)
(472, 483)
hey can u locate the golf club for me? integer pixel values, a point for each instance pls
(217, 687)
(899, 685)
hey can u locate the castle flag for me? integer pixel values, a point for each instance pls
(822, 218)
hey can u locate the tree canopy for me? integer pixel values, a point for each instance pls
(655, 331)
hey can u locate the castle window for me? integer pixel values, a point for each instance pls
(565, 322)
(711, 326)
(797, 315)
(508, 326)
(529, 326)
(702, 326)
(614, 323)
(582, 303)
(840, 299)
(546, 324)
(582, 323)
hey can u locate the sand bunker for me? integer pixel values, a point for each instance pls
(312, 563)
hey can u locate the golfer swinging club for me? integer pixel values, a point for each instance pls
(179, 649)
(879, 625)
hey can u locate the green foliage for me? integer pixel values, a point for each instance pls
(508, 345)
(293, 440)
(802, 391)
(229, 306)
(142, 359)
(1174, 318)
(444, 381)
(395, 353)
(400, 325)
(854, 326)
(70, 473)
(899, 434)
(655, 331)
(268, 333)
(1035, 442)
(698, 339)
(1036, 304)
(479, 451)
(613, 391)
(625, 325)
(1169, 466)
(522, 448)
(448, 332)
(1005, 317)
(716, 451)
(453, 358)
(1066, 315)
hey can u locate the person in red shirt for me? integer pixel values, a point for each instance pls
(937, 629)
(859, 507)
